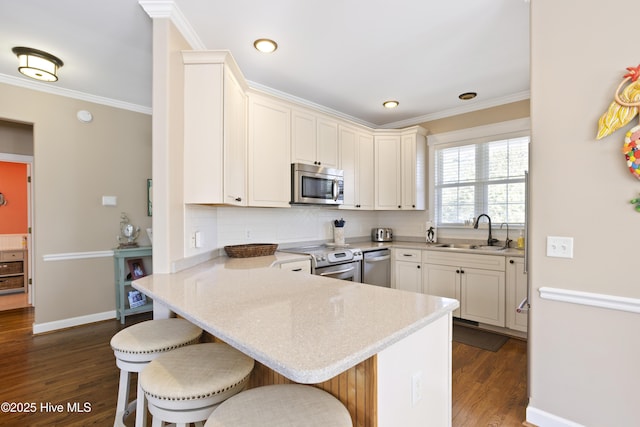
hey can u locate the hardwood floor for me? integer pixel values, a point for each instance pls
(76, 366)
(489, 389)
(69, 367)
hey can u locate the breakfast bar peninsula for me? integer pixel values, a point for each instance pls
(385, 353)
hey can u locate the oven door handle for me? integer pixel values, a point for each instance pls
(331, 273)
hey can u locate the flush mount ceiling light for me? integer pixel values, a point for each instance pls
(37, 64)
(467, 96)
(390, 104)
(265, 45)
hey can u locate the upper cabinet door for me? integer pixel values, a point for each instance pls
(356, 160)
(269, 152)
(327, 143)
(365, 172)
(387, 172)
(314, 139)
(303, 137)
(203, 133)
(400, 169)
(215, 131)
(235, 137)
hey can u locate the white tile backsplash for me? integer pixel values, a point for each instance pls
(221, 226)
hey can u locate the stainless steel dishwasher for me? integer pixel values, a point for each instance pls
(376, 268)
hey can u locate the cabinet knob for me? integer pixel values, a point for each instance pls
(511, 261)
(461, 271)
(238, 199)
(399, 207)
(418, 266)
(413, 206)
(457, 271)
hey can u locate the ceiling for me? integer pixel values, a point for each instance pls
(347, 56)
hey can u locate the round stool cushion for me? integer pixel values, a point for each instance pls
(285, 405)
(201, 371)
(154, 336)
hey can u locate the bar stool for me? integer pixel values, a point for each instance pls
(279, 406)
(137, 345)
(185, 385)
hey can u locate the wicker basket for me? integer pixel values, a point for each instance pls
(251, 250)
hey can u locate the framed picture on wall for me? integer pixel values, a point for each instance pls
(136, 268)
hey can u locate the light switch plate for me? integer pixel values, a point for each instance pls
(109, 201)
(560, 247)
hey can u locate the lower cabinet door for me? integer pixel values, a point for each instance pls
(482, 296)
(408, 276)
(442, 281)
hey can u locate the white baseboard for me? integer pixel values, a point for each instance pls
(39, 328)
(545, 419)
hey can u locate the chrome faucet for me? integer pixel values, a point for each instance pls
(507, 240)
(490, 240)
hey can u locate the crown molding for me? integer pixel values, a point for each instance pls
(69, 93)
(476, 106)
(169, 10)
(306, 103)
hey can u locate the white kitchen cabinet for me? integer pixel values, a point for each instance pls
(407, 269)
(442, 281)
(387, 172)
(356, 160)
(478, 280)
(269, 152)
(400, 169)
(215, 124)
(414, 171)
(516, 292)
(314, 139)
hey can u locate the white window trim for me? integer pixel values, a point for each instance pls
(501, 130)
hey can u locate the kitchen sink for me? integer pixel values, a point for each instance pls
(470, 246)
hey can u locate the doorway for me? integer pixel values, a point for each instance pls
(16, 215)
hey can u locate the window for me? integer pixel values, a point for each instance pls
(482, 175)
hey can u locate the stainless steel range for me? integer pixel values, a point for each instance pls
(338, 263)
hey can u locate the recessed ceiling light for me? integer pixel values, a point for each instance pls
(467, 96)
(265, 45)
(390, 104)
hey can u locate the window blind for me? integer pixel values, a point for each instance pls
(481, 177)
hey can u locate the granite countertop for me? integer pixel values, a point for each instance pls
(305, 327)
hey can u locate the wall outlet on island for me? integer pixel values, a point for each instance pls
(416, 387)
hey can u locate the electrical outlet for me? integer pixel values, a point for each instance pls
(197, 237)
(248, 234)
(416, 387)
(560, 247)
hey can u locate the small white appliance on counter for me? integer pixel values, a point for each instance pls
(381, 234)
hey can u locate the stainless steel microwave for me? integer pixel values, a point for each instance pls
(316, 185)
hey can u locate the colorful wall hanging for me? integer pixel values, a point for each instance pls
(621, 111)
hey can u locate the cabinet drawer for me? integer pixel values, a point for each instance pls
(303, 266)
(11, 268)
(11, 255)
(414, 255)
(11, 282)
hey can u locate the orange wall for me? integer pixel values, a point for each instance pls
(13, 184)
